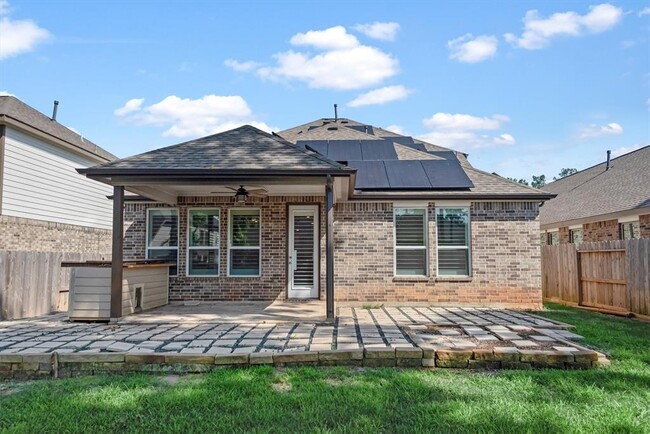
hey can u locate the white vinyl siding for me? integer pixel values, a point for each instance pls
(453, 241)
(244, 243)
(41, 182)
(203, 238)
(410, 242)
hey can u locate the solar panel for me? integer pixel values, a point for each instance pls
(377, 150)
(443, 174)
(406, 174)
(371, 175)
(344, 150)
(402, 140)
(447, 155)
(319, 146)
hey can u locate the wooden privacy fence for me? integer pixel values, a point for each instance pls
(607, 275)
(33, 283)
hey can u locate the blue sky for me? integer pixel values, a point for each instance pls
(524, 87)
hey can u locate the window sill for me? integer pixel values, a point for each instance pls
(411, 279)
(454, 279)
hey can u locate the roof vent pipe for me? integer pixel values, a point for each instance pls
(56, 107)
(609, 154)
(336, 113)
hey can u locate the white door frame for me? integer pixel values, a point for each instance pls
(303, 292)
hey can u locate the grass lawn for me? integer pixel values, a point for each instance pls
(354, 400)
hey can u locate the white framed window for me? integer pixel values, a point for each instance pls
(203, 238)
(575, 236)
(410, 235)
(162, 236)
(629, 230)
(244, 242)
(453, 246)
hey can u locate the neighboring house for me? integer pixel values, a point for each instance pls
(609, 201)
(332, 209)
(44, 204)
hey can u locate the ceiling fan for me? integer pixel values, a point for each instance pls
(241, 194)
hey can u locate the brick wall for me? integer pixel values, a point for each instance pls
(644, 225)
(271, 285)
(600, 231)
(505, 257)
(17, 233)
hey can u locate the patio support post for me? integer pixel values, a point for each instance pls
(329, 249)
(118, 252)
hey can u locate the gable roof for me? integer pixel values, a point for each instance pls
(16, 113)
(596, 191)
(242, 149)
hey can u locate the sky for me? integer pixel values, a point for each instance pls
(524, 87)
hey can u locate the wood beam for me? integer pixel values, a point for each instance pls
(118, 252)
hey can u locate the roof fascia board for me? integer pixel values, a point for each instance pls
(460, 196)
(107, 172)
(15, 123)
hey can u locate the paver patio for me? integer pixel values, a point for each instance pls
(354, 328)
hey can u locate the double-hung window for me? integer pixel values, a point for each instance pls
(453, 241)
(162, 236)
(410, 242)
(629, 230)
(575, 236)
(203, 242)
(244, 236)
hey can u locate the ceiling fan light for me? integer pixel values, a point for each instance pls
(241, 195)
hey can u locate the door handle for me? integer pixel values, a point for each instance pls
(294, 262)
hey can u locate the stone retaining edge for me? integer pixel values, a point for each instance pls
(29, 366)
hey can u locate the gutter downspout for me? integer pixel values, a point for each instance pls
(329, 249)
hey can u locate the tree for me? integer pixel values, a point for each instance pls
(565, 172)
(520, 181)
(538, 181)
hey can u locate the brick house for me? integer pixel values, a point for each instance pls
(609, 201)
(44, 204)
(333, 209)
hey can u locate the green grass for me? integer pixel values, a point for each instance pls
(354, 400)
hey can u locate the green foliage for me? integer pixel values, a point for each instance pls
(322, 400)
(538, 181)
(565, 172)
(520, 181)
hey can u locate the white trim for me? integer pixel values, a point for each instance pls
(454, 203)
(629, 219)
(189, 248)
(258, 248)
(574, 227)
(314, 291)
(468, 247)
(146, 236)
(411, 204)
(424, 207)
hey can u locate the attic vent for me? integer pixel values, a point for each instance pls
(332, 128)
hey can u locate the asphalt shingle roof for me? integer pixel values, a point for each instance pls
(596, 191)
(242, 148)
(14, 108)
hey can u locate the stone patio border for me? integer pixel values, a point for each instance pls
(30, 366)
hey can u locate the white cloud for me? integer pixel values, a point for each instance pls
(377, 30)
(470, 49)
(538, 31)
(644, 11)
(461, 131)
(334, 38)
(340, 62)
(397, 129)
(241, 66)
(626, 149)
(18, 36)
(191, 117)
(648, 102)
(593, 131)
(5, 93)
(131, 105)
(381, 96)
